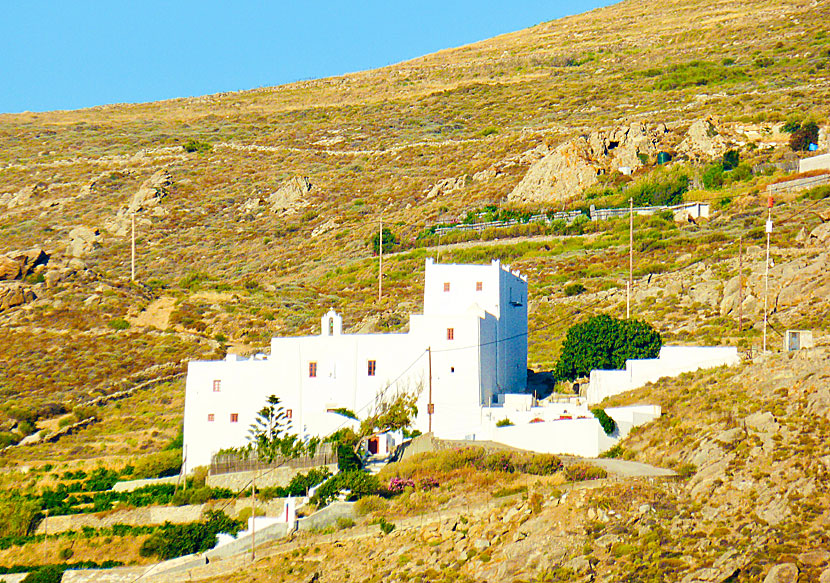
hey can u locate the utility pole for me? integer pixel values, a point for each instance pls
(380, 266)
(253, 517)
(740, 284)
(766, 270)
(430, 405)
(630, 283)
(132, 255)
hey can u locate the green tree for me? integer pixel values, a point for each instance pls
(389, 240)
(801, 139)
(269, 435)
(603, 342)
(730, 160)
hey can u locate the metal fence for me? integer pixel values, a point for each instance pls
(226, 463)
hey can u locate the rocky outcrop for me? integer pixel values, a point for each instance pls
(18, 264)
(146, 199)
(703, 139)
(561, 175)
(22, 197)
(446, 186)
(82, 241)
(150, 192)
(290, 197)
(14, 294)
(820, 236)
(325, 227)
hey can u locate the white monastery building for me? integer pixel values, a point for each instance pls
(471, 339)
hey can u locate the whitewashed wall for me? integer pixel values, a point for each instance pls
(672, 361)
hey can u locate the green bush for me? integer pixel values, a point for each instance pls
(358, 483)
(574, 289)
(175, 540)
(159, 465)
(660, 188)
(347, 459)
(389, 241)
(504, 422)
(817, 193)
(193, 145)
(712, 176)
(540, 464)
(608, 424)
(582, 471)
(119, 324)
(603, 342)
(50, 574)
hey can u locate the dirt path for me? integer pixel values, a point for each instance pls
(156, 315)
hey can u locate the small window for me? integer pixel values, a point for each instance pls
(331, 326)
(479, 286)
(289, 413)
(446, 286)
(450, 333)
(217, 386)
(211, 417)
(312, 369)
(452, 369)
(234, 417)
(372, 367)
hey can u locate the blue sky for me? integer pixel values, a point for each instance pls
(68, 55)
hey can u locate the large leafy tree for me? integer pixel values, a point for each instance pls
(603, 342)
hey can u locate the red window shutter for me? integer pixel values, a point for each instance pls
(312, 369)
(210, 417)
(372, 367)
(446, 286)
(234, 417)
(450, 333)
(217, 386)
(479, 286)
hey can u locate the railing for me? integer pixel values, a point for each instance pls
(605, 214)
(227, 463)
(568, 216)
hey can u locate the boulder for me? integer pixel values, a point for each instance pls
(290, 196)
(83, 240)
(562, 175)
(325, 227)
(783, 573)
(820, 236)
(824, 577)
(9, 268)
(814, 558)
(762, 422)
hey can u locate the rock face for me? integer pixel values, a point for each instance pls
(562, 175)
(703, 139)
(9, 268)
(83, 240)
(290, 196)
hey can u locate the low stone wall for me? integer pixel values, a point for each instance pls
(130, 485)
(154, 515)
(264, 478)
(327, 516)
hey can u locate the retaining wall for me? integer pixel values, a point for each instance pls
(264, 478)
(153, 515)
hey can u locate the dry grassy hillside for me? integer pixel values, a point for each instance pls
(265, 223)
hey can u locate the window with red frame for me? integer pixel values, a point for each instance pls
(446, 286)
(479, 286)
(450, 333)
(312, 369)
(211, 417)
(234, 417)
(217, 386)
(372, 366)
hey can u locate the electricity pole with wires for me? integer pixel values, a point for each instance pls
(630, 283)
(766, 270)
(740, 284)
(380, 260)
(132, 251)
